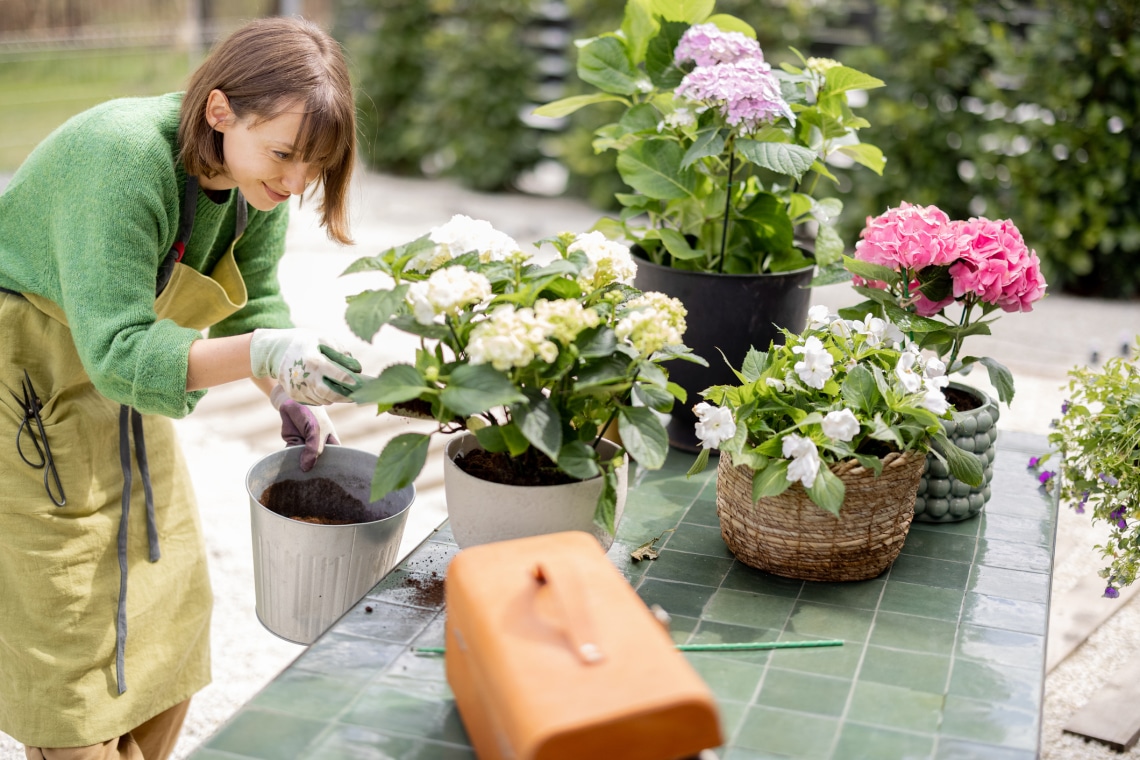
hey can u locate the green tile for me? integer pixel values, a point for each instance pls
(829, 622)
(913, 670)
(417, 674)
(743, 608)
(388, 622)
(746, 578)
(877, 743)
(841, 662)
(736, 753)
(804, 692)
(385, 708)
(699, 539)
(990, 723)
(916, 634)
(731, 716)
(895, 707)
(358, 743)
(681, 628)
(641, 527)
(690, 568)
(957, 749)
(703, 510)
(729, 679)
(859, 594)
(266, 735)
(1010, 584)
(938, 573)
(789, 733)
(1007, 614)
(1019, 529)
(997, 646)
(408, 589)
(311, 695)
(969, 527)
(712, 632)
(684, 599)
(1015, 556)
(923, 601)
(940, 545)
(997, 682)
(338, 654)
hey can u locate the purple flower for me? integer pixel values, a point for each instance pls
(1111, 593)
(746, 92)
(1108, 479)
(1117, 515)
(1065, 406)
(1080, 508)
(1033, 461)
(1045, 476)
(707, 45)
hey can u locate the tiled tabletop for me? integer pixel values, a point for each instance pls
(943, 654)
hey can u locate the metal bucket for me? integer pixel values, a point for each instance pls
(307, 575)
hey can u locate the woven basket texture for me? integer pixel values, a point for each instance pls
(789, 535)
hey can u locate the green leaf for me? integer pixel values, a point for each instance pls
(755, 362)
(659, 56)
(579, 460)
(771, 481)
(869, 271)
(842, 78)
(515, 440)
(828, 246)
(596, 342)
(653, 168)
(709, 142)
(1000, 377)
(491, 438)
(610, 369)
(638, 26)
(475, 388)
(700, 463)
(657, 399)
(867, 155)
(727, 23)
(399, 382)
(770, 222)
(677, 245)
(367, 312)
(643, 436)
(605, 63)
(782, 158)
(565, 106)
(689, 11)
(400, 462)
(827, 491)
(963, 464)
(859, 389)
(540, 424)
(606, 510)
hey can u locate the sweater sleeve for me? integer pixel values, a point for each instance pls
(114, 204)
(258, 252)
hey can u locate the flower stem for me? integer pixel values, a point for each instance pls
(727, 208)
(963, 323)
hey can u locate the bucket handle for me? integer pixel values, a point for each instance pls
(571, 604)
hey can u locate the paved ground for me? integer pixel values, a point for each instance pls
(233, 427)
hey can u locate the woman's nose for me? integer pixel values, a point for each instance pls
(296, 178)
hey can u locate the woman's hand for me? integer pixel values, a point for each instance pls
(305, 364)
(301, 425)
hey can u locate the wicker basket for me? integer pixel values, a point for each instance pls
(790, 536)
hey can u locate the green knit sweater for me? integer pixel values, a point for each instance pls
(86, 222)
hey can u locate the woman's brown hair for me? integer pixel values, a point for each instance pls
(262, 68)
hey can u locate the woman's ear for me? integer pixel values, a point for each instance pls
(219, 115)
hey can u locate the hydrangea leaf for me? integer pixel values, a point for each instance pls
(398, 382)
(782, 158)
(659, 56)
(843, 78)
(475, 388)
(370, 310)
(606, 510)
(400, 462)
(604, 62)
(578, 459)
(710, 141)
(1000, 377)
(539, 421)
(639, 26)
(690, 11)
(653, 168)
(643, 436)
(867, 155)
(566, 106)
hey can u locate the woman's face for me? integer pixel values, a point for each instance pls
(260, 158)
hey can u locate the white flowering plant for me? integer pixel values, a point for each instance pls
(842, 389)
(536, 358)
(723, 151)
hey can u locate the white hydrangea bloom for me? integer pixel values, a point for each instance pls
(565, 318)
(815, 369)
(653, 321)
(818, 316)
(447, 291)
(609, 261)
(714, 425)
(509, 338)
(905, 370)
(461, 235)
(804, 466)
(840, 425)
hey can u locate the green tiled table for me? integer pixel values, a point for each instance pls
(943, 656)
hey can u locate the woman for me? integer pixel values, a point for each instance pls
(134, 227)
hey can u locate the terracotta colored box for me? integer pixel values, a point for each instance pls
(552, 655)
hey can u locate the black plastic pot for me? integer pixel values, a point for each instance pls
(728, 313)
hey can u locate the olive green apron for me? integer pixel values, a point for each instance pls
(65, 654)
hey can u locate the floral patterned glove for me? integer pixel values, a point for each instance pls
(301, 425)
(311, 369)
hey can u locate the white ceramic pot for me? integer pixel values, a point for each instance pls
(481, 511)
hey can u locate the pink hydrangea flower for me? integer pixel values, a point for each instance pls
(706, 45)
(908, 237)
(996, 266)
(745, 91)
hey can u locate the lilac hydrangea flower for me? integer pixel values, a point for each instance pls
(746, 92)
(707, 45)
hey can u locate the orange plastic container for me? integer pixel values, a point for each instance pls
(552, 655)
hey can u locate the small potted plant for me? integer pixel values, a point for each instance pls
(942, 281)
(1097, 440)
(533, 361)
(823, 441)
(724, 154)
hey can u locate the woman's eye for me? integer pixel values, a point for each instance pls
(281, 155)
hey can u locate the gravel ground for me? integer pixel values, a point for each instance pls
(220, 445)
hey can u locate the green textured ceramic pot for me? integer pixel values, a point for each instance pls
(941, 496)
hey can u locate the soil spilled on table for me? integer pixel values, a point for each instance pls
(319, 500)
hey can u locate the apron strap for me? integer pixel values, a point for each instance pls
(130, 420)
(186, 227)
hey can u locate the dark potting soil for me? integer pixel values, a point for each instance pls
(319, 500)
(961, 400)
(532, 468)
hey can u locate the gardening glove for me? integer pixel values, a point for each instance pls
(301, 425)
(311, 369)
